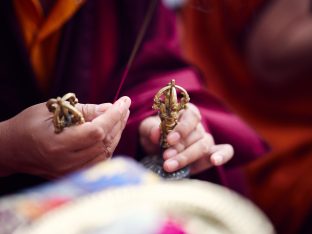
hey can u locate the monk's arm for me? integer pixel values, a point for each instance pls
(157, 62)
(279, 46)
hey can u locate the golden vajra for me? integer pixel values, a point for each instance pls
(65, 113)
(166, 102)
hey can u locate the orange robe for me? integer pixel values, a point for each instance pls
(280, 183)
(41, 33)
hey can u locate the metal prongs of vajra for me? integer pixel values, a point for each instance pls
(168, 106)
(64, 112)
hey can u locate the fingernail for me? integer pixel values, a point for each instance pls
(174, 136)
(217, 159)
(126, 100)
(123, 103)
(172, 164)
(170, 153)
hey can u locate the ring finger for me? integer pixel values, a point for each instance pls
(190, 154)
(182, 144)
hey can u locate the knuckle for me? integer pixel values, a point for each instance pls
(108, 105)
(182, 159)
(97, 133)
(108, 152)
(208, 137)
(205, 145)
(52, 149)
(179, 147)
(49, 155)
(182, 128)
(86, 110)
(198, 131)
(109, 138)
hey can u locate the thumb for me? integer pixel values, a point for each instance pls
(91, 111)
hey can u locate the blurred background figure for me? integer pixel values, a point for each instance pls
(256, 56)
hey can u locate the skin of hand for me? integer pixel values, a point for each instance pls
(30, 145)
(190, 143)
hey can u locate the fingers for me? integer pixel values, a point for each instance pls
(191, 154)
(221, 154)
(112, 138)
(188, 121)
(107, 146)
(82, 136)
(91, 111)
(188, 130)
(100, 151)
(191, 145)
(202, 164)
(78, 137)
(201, 155)
(91, 152)
(118, 128)
(179, 144)
(113, 115)
(42, 152)
(111, 146)
(149, 129)
(150, 134)
(81, 159)
(98, 159)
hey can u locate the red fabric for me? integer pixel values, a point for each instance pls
(106, 56)
(95, 46)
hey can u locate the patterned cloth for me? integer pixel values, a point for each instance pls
(22, 209)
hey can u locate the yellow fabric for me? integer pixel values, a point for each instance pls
(42, 33)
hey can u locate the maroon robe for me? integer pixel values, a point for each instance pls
(93, 51)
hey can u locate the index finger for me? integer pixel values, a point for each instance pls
(82, 136)
(187, 122)
(79, 137)
(91, 111)
(113, 115)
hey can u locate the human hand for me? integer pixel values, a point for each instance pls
(32, 146)
(190, 143)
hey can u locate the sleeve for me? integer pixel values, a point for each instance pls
(157, 62)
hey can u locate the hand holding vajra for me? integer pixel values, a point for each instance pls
(29, 144)
(189, 143)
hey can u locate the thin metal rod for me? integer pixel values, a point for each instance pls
(146, 22)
